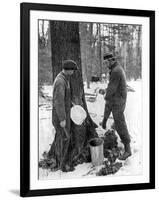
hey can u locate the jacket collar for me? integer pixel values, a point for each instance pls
(114, 65)
(64, 76)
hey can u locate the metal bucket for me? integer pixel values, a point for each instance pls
(96, 149)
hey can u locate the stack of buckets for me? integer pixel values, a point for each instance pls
(96, 150)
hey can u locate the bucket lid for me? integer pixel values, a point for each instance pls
(78, 114)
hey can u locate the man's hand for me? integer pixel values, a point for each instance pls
(63, 123)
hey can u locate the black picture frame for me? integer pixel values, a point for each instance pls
(25, 9)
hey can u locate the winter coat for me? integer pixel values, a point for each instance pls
(61, 102)
(61, 106)
(116, 92)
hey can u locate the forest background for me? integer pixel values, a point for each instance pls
(96, 39)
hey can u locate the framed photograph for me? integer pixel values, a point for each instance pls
(87, 99)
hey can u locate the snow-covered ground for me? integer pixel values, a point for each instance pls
(133, 115)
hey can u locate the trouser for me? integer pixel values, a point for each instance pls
(57, 150)
(59, 147)
(119, 119)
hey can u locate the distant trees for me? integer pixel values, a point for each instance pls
(121, 39)
(44, 54)
(124, 40)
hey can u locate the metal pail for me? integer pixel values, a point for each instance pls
(96, 149)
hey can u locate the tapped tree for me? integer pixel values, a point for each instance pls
(65, 44)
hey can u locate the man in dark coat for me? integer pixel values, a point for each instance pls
(61, 105)
(116, 95)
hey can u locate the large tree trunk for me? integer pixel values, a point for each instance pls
(65, 44)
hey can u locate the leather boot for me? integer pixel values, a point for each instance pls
(127, 152)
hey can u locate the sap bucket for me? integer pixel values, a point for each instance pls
(96, 149)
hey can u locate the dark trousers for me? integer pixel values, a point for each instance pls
(59, 147)
(119, 119)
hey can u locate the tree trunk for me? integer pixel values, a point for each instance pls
(49, 41)
(99, 50)
(65, 44)
(86, 30)
(42, 28)
(125, 53)
(139, 53)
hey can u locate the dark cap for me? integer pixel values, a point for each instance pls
(108, 56)
(69, 65)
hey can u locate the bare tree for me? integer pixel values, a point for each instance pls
(86, 39)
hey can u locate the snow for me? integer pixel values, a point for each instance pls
(133, 115)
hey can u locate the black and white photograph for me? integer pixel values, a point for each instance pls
(89, 98)
(90, 81)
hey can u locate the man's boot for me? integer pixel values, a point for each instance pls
(127, 152)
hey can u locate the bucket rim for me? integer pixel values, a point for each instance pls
(101, 139)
